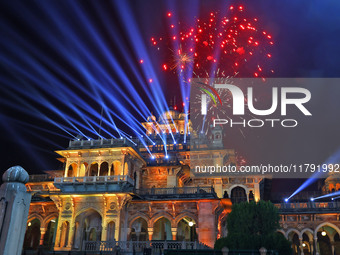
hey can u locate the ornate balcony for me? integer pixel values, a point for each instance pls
(93, 184)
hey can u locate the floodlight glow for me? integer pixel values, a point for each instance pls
(337, 193)
(96, 80)
(331, 160)
(286, 200)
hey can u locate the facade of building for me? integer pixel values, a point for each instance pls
(134, 191)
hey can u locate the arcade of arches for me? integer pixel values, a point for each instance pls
(324, 239)
(95, 169)
(162, 229)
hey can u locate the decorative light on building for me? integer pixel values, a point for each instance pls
(303, 245)
(29, 224)
(323, 233)
(191, 223)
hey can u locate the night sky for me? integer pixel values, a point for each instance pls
(56, 60)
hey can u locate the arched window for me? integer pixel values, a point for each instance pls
(94, 169)
(324, 236)
(88, 228)
(110, 231)
(139, 230)
(64, 233)
(186, 230)
(294, 238)
(49, 234)
(112, 170)
(32, 235)
(238, 195)
(72, 170)
(162, 229)
(306, 244)
(104, 169)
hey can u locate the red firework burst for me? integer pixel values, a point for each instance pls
(223, 45)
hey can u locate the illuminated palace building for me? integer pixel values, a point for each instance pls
(131, 194)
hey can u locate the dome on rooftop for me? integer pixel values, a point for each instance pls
(168, 115)
(15, 174)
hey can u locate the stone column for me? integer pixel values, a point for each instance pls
(197, 233)
(150, 231)
(219, 187)
(58, 232)
(138, 235)
(71, 234)
(42, 235)
(317, 252)
(256, 191)
(122, 161)
(206, 221)
(104, 230)
(14, 207)
(311, 245)
(109, 170)
(174, 233)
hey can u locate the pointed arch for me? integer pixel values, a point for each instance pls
(326, 224)
(104, 169)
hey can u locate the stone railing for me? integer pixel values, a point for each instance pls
(40, 178)
(309, 206)
(94, 179)
(103, 143)
(178, 192)
(139, 246)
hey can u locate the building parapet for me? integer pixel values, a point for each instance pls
(139, 246)
(101, 143)
(308, 207)
(177, 192)
(40, 178)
